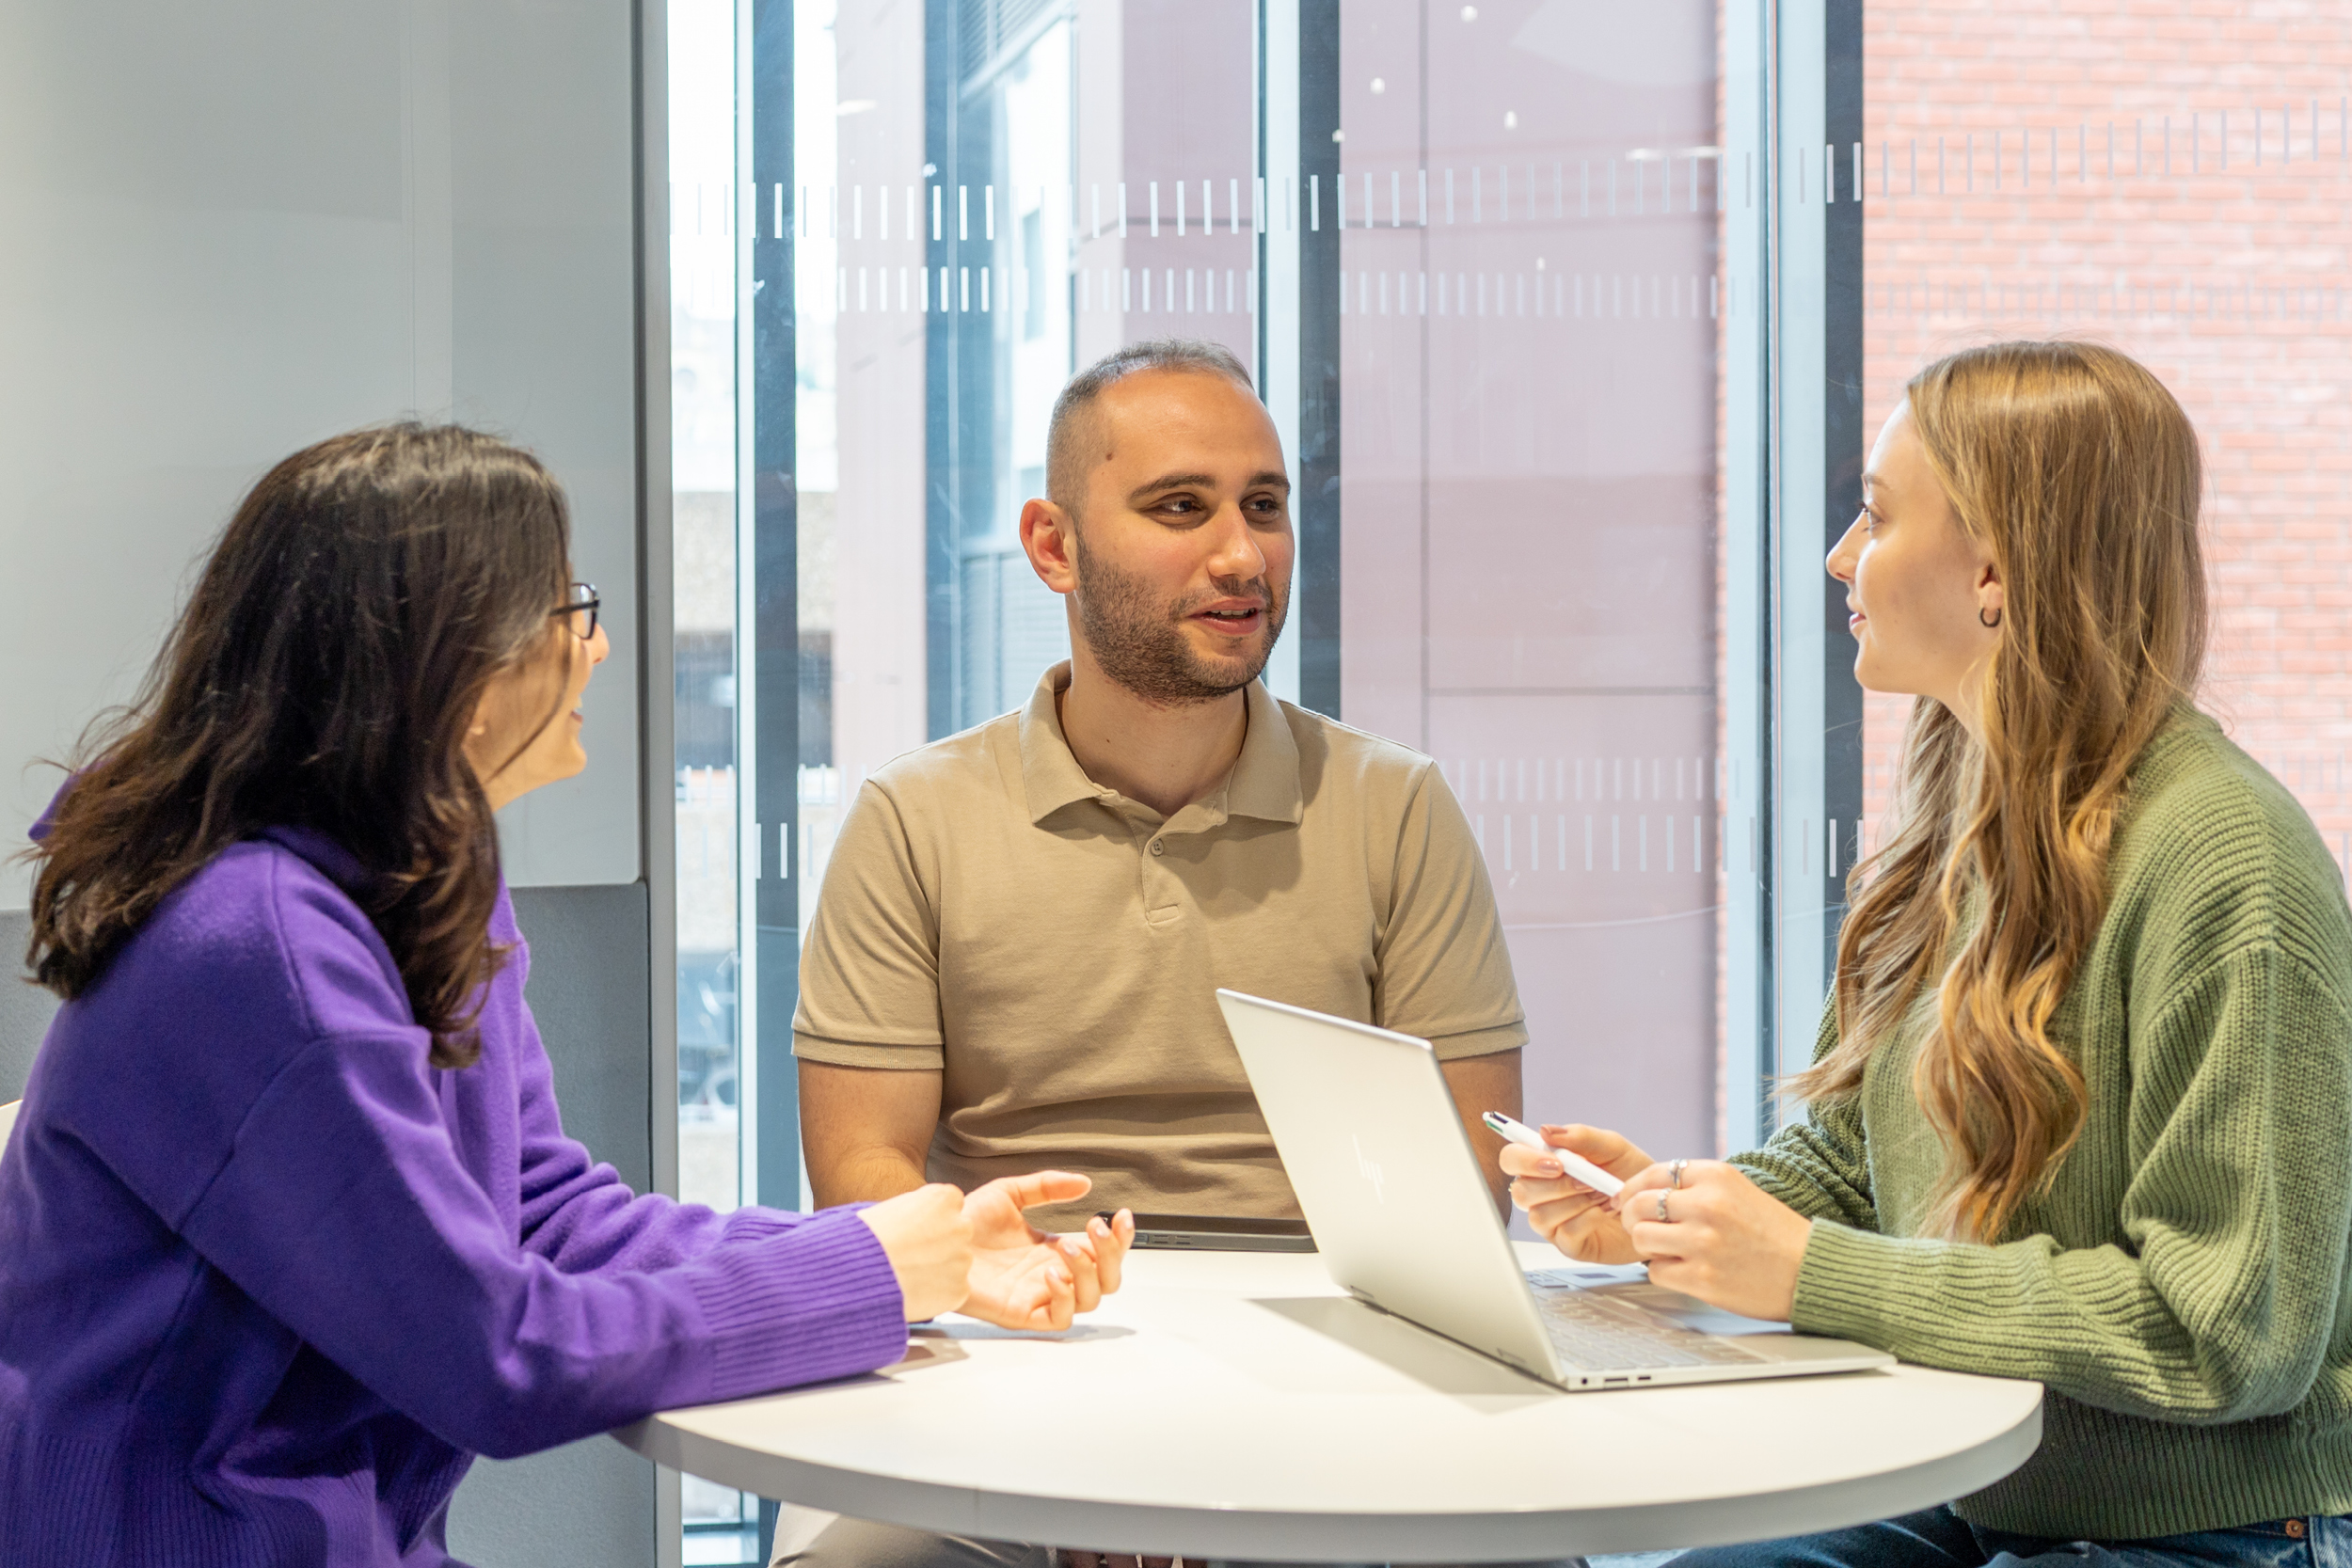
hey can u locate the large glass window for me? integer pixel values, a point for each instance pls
(1485, 263)
(1475, 256)
(1528, 306)
(2181, 194)
(1576, 319)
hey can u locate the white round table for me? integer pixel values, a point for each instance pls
(1234, 1406)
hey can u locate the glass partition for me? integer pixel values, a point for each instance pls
(1529, 304)
(1473, 255)
(1575, 320)
(1497, 270)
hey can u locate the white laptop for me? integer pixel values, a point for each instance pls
(1404, 1219)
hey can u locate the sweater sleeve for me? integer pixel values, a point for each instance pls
(1820, 1165)
(576, 1211)
(344, 1212)
(2222, 1305)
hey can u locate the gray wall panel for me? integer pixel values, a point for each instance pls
(589, 1504)
(586, 1505)
(24, 1009)
(235, 229)
(589, 988)
(544, 325)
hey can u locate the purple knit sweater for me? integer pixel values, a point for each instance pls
(268, 1281)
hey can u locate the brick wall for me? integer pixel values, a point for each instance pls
(2215, 251)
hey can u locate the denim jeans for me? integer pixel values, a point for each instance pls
(1940, 1538)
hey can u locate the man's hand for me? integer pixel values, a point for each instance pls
(1564, 1212)
(1021, 1277)
(1723, 1239)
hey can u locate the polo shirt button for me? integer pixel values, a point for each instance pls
(1159, 847)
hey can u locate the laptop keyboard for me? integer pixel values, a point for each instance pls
(1594, 1333)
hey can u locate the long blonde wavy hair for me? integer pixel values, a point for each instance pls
(2081, 474)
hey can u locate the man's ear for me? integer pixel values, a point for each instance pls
(1049, 536)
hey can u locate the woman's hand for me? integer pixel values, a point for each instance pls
(929, 1241)
(1021, 1278)
(1564, 1212)
(1721, 1239)
(978, 1255)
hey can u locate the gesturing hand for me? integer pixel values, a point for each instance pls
(929, 1241)
(1721, 1239)
(1562, 1210)
(1021, 1278)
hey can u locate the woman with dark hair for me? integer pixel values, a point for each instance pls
(2081, 1106)
(289, 1225)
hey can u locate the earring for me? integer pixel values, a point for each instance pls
(1985, 624)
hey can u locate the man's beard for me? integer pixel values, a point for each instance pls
(1140, 643)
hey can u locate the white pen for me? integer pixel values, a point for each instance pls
(1575, 1164)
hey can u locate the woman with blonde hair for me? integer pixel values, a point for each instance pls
(2081, 1107)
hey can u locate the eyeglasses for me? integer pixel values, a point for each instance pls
(582, 606)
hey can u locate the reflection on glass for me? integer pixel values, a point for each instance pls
(961, 254)
(1528, 205)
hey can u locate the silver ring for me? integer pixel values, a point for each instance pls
(1677, 1168)
(1661, 1207)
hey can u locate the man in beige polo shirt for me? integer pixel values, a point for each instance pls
(1014, 956)
(1014, 953)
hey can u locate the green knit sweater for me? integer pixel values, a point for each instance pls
(2180, 1288)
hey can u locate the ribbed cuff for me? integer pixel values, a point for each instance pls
(818, 1301)
(1849, 1281)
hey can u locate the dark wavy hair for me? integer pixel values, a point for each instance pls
(324, 674)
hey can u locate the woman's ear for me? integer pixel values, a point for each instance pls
(1991, 597)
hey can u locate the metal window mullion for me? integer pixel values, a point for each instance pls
(1810, 765)
(656, 688)
(1316, 497)
(1746, 776)
(1279, 259)
(766, 421)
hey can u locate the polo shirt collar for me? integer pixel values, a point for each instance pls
(1264, 783)
(1050, 775)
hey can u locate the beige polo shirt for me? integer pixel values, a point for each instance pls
(1054, 947)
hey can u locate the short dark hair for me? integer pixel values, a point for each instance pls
(1064, 464)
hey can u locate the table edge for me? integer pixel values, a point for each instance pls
(1316, 1536)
